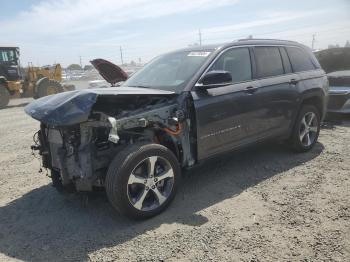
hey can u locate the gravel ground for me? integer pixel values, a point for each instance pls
(263, 204)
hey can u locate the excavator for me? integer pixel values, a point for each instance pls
(31, 82)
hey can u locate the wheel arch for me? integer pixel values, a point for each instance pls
(310, 97)
(171, 143)
(317, 99)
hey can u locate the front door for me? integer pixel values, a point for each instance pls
(226, 115)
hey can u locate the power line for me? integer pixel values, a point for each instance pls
(133, 52)
(269, 33)
(121, 55)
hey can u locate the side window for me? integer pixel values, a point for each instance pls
(237, 62)
(4, 57)
(268, 61)
(300, 59)
(286, 62)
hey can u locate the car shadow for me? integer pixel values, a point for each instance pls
(43, 225)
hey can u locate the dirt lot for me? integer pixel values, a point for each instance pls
(264, 204)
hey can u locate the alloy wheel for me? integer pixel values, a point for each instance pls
(308, 129)
(150, 183)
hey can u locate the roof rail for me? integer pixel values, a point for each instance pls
(265, 39)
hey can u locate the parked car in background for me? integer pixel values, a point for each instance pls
(176, 112)
(98, 84)
(336, 63)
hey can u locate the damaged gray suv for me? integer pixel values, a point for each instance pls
(182, 108)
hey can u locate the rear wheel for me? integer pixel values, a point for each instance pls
(49, 87)
(306, 129)
(142, 180)
(4, 97)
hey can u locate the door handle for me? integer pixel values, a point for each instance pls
(293, 82)
(251, 89)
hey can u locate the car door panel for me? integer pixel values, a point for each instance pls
(223, 117)
(278, 99)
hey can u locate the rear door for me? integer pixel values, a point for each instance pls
(227, 115)
(312, 79)
(277, 93)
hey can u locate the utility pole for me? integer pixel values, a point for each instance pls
(200, 37)
(313, 41)
(81, 65)
(121, 55)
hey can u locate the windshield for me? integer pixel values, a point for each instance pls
(169, 72)
(8, 56)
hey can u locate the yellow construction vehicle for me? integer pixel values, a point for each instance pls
(10, 77)
(42, 81)
(32, 82)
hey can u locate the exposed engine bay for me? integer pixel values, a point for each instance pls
(78, 154)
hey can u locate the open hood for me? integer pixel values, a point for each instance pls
(334, 59)
(69, 108)
(109, 71)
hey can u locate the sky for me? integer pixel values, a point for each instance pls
(65, 31)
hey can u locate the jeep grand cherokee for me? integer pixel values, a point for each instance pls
(179, 110)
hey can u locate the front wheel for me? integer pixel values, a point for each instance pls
(4, 97)
(306, 129)
(142, 180)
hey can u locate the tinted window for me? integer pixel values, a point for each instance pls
(237, 62)
(301, 60)
(268, 61)
(286, 62)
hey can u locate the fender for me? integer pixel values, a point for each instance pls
(3, 80)
(316, 93)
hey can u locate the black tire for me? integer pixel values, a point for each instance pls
(48, 87)
(120, 170)
(4, 97)
(298, 141)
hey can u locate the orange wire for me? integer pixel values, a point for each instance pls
(172, 132)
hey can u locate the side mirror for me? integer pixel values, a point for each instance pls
(215, 78)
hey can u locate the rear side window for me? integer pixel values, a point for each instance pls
(300, 59)
(237, 62)
(268, 61)
(286, 62)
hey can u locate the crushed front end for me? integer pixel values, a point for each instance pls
(82, 131)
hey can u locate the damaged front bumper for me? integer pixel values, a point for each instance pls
(82, 131)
